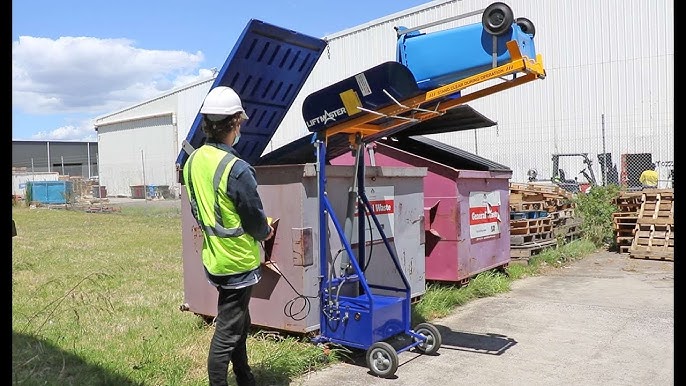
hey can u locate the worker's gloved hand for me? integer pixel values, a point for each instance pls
(271, 233)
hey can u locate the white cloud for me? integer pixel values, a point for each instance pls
(67, 133)
(94, 76)
(187, 79)
(80, 131)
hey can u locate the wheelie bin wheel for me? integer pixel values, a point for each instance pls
(433, 340)
(382, 359)
(526, 25)
(497, 18)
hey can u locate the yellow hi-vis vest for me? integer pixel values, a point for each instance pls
(226, 249)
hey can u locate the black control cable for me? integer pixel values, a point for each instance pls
(288, 308)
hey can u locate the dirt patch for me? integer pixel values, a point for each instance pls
(655, 269)
(620, 261)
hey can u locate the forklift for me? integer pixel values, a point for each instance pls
(573, 185)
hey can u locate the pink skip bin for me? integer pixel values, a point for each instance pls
(466, 205)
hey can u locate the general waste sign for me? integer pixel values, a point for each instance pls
(484, 214)
(382, 200)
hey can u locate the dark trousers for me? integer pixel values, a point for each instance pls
(228, 343)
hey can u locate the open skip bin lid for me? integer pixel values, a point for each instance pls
(460, 118)
(267, 68)
(444, 154)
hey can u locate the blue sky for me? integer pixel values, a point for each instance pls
(75, 60)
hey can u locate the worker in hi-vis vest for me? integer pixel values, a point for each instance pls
(223, 195)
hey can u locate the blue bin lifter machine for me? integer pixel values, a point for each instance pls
(423, 83)
(420, 85)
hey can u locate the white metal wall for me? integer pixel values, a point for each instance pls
(189, 102)
(612, 59)
(137, 152)
(143, 141)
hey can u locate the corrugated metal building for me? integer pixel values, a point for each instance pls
(609, 89)
(68, 158)
(139, 144)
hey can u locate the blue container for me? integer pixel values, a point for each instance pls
(439, 58)
(50, 192)
(368, 323)
(151, 191)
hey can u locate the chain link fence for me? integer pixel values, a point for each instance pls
(601, 152)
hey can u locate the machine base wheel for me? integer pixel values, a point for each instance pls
(382, 359)
(433, 338)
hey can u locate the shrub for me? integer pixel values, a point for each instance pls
(595, 209)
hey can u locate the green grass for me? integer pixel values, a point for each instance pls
(556, 257)
(95, 300)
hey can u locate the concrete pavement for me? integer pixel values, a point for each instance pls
(604, 320)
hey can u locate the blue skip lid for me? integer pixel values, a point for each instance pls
(267, 68)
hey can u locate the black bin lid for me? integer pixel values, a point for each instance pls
(460, 118)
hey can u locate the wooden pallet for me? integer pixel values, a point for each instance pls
(650, 255)
(530, 238)
(653, 228)
(562, 213)
(528, 206)
(530, 226)
(657, 207)
(625, 240)
(628, 197)
(621, 219)
(529, 249)
(538, 188)
(561, 205)
(653, 241)
(624, 224)
(628, 203)
(568, 229)
(528, 214)
(518, 197)
(625, 228)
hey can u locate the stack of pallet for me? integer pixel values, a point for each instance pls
(539, 215)
(654, 230)
(624, 219)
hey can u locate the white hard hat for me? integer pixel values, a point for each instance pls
(220, 102)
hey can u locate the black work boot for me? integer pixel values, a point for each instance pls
(244, 377)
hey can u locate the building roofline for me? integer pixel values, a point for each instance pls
(165, 94)
(51, 141)
(336, 35)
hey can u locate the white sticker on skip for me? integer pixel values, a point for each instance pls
(362, 84)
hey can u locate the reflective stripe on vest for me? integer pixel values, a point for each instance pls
(218, 229)
(227, 248)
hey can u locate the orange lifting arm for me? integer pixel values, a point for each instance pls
(532, 70)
